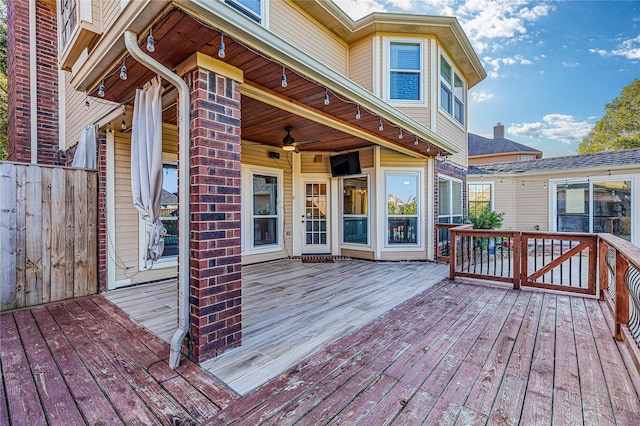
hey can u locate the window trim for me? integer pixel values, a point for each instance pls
(418, 173)
(451, 179)
(368, 215)
(591, 180)
(247, 242)
(261, 19)
(386, 83)
(451, 88)
(491, 196)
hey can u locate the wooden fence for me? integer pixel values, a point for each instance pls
(48, 234)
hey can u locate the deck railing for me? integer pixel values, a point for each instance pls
(556, 261)
(620, 284)
(443, 239)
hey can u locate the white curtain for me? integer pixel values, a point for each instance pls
(146, 165)
(85, 156)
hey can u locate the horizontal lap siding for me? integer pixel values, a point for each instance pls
(389, 158)
(456, 137)
(127, 233)
(302, 31)
(361, 63)
(110, 11)
(258, 155)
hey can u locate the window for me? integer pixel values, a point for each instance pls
(405, 71)
(264, 213)
(449, 200)
(452, 91)
(402, 194)
(595, 206)
(169, 210)
(68, 20)
(479, 198)
(355, 210)
(252, 8)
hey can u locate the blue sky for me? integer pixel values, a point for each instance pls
(552, 65)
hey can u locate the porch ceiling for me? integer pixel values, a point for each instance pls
(178, 36)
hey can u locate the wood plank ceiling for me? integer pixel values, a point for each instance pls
(178, 36)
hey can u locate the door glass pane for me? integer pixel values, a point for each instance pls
(169, 210)
(572, 207)
(316, 213)
(612, 208)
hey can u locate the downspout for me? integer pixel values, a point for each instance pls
(131, 41)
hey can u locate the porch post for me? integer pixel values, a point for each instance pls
(215, 253)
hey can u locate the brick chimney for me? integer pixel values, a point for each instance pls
(498, 131)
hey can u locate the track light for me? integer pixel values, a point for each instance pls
(151, 46)
(284, 78)
(400, 134)
(381, 126)
(221, 53)
(326, 96)
(101, 90)
(357, 112)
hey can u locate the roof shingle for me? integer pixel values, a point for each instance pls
(479, 145)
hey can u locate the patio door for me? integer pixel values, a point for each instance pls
(315, 218)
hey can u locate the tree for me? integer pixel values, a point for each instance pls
(619, 128)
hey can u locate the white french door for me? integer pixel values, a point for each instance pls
(316, 235)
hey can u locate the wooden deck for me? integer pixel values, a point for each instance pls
(84, 361)
(290, 310)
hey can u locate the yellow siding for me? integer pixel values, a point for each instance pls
(498, 158)
(505, 201)
(314, 163)
(258, 155)
(127, 222)
(456, 137)
(76, 115)
(366, 254)
(110, 11)
(532, 204)
(366, 158)
(389, 158)
(96, 13)
(304, 32)
(421, 114)
(361, 63)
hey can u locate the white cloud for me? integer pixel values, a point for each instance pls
(495, 64)
(357, 9)
(629, 49)
(479, 97)
(570, 64)
(402, 4)
(558, 127)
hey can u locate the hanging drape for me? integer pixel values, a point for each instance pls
(85, 156)
(146, 165)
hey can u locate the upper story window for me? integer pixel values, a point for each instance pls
(452, 96)
(252, 8)
(405, 71)
(68, 20)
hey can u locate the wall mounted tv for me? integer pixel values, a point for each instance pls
(345, 164)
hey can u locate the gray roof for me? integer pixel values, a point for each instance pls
(479, 145)
(600, 159)
(168, 198)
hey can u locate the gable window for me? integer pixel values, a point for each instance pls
(479, 195)
(355, 210)
(403, 208)
(451, 91)
(449, 200)
(405, 71)
(252, 8)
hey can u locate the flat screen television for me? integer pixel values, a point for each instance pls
(345, 164)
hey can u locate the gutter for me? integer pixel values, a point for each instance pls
(131, 41)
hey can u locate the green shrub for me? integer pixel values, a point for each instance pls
(487, 220)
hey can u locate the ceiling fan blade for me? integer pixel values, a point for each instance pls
(306, 142)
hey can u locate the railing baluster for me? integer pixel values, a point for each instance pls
(561, 263)
(552, 261)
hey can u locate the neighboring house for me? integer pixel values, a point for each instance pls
(499, 149)
(579, 193)
(391, 87)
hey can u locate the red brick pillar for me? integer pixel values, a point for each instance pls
(19, 82)
(215, 272)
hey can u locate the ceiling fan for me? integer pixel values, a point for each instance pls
(290, 144)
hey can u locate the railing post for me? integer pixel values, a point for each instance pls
(622, 295)
(453, 254)
(603, 279)
(593, 265)
(518, 250)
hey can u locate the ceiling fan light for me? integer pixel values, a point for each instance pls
(288, 148)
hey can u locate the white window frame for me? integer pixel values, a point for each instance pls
(163, 262)
(248, 247)
(261, 19)
(451, 88)
(422, 101)
(481, 182)
(591, 180)
(451, 179)
(368, 215)
(418, 173)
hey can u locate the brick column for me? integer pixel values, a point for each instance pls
(19, 82)
(215, 253)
